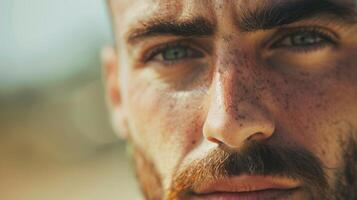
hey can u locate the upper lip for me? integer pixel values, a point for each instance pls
(246, 183)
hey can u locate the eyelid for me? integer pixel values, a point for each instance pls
(282, 34)
(153, 51)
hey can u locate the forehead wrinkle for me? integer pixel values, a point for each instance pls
(138, 13)
(155, 13)
(179, 11)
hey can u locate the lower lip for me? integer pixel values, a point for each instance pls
(254, 195)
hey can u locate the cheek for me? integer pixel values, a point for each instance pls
(165, 123)
(318, 112)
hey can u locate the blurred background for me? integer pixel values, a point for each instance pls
(55, 138)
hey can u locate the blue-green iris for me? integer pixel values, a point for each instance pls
(175, 53)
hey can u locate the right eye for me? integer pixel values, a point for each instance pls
(175, 53)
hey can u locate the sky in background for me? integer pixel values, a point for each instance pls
(56, 140)
(45, 41)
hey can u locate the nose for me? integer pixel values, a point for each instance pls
(233, 120)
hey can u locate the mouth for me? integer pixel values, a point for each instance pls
(246, 187)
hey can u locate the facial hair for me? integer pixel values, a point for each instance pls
(346, 184)
(147, 175)
(254, 159)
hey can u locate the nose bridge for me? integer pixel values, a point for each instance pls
(234, 116)
(229, 100)
(233, 73)
(226, 90)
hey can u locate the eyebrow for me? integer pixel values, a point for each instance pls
(287, 12)
(196, 27)
(268, 16)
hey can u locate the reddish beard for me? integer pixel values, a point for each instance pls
(254, 159)
(147, 175)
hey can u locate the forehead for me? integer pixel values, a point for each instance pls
(128, 13)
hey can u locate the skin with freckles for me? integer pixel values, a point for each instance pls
(212, 92)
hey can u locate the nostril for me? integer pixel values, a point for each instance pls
(214, 140)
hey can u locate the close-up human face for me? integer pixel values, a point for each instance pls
(237, 99)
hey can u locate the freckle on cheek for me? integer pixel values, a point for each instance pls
(323, 152)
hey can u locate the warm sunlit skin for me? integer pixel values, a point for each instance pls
(177, 96)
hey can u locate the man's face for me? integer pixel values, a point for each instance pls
(237, 99)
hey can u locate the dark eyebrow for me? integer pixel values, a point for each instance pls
(190, 28)
(287, 12)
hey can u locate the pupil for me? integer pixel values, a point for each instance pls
(305, 39)
(175, 53)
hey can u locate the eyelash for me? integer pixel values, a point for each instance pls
(326, 36)
(161, 48)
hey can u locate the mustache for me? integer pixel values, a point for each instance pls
(254, 159)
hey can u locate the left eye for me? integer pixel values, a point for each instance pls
(304, 39)
(175, 53)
